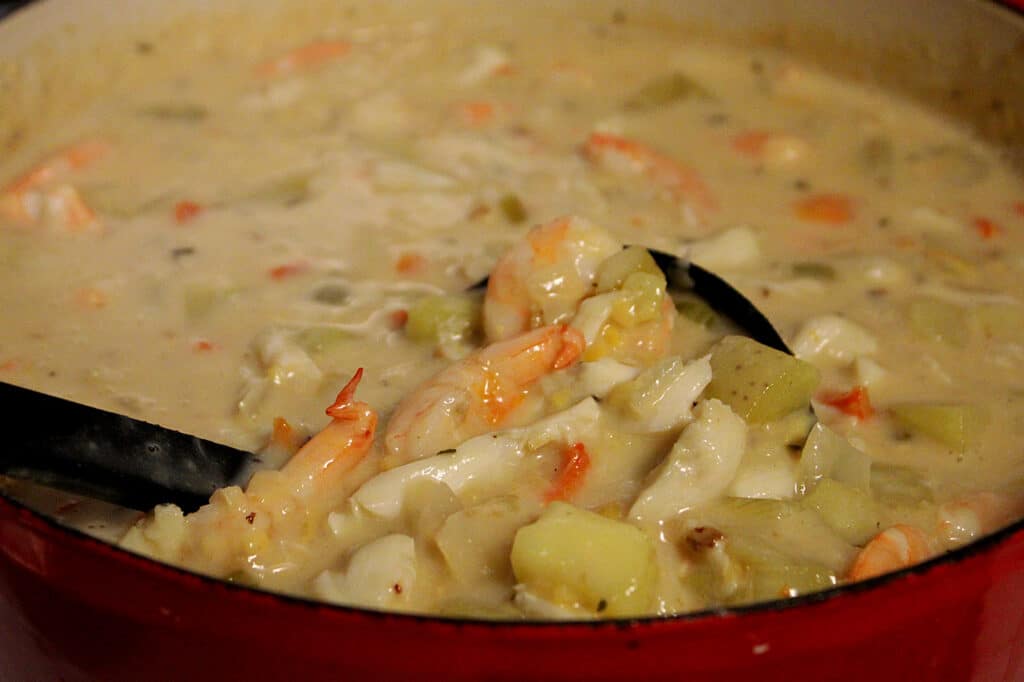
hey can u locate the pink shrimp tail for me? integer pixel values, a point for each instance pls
(341, 408)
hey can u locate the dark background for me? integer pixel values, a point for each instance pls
(8, 6)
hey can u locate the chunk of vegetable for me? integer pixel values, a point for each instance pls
(695, 309)
(614, 270)
(182, 113)
(848, 510)
(957, 426)
(451, 317)
(201, 299)
(826, 454)
(476, 542)
(759, 383)
(937, 320)
(814, 270)
(640, 299)
(318, 340)
(665, 90)
(512, 208)
(577, 558)
(774, 575)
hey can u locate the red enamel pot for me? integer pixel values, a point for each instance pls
(74, 608)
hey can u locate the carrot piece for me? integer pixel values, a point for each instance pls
(477, 114)
(398, 318)
(986, 227)
(75, 157)
(8, 365)
(185, 211)
(1018, 208)
(855, 402)
(202, 346)
(827, 209)
(751, 142)
(287, 270)
(303, 58)
(574, 468)
(410, 263)
(91, 298)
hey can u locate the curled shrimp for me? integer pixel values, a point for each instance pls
(623, 155)
(542, 278)
(894, 548)
(265, 525)
(36, 194)
(478, 394)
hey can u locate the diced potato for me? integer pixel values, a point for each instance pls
(614, 270)
(759, 383)
(640, 299)
(956, 426)
(575, 557)
(452, 317)
(937, 320)
(318, 340)
(849, 511)
(826, 454)
(664, 90)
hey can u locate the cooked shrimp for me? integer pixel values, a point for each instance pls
(624, 155)
(306, 57)
(32, 197)
(894, 548)
(267, 523)
(542, 279)
(968, 518)
(478, 394)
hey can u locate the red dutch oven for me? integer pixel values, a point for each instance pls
(74, 608)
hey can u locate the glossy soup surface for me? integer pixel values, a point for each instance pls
(220, 250)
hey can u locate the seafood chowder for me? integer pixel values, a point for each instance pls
(275, 246)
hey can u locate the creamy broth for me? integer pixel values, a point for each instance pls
(242, 237)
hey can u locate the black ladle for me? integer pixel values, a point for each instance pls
(136, 464)
(110, 457)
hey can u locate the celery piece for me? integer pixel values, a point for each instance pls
(695, 309)
(512, 208)
(182, 113)
(319, 340)
(814, 270)
(956, 426)
(826, 454)
(664, 90)
(759, 383)
(451, 317)
(613, 271)
(848, 510)
(577, 558)
(937, 320)
(287, 190)
(332, 293)
(202, 299)
(772, 574)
